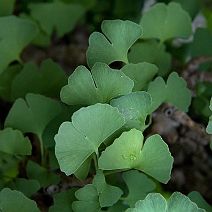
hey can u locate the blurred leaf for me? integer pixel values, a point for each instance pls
(140, 73)
(196, 197)
(201, 45)
(135, 108)
(16, 34)
(128, 152)
(174, 91)
(6, 79)
(13, 201)
(191, 6)
(41, 174)
(13, 142)
(114, 44)
(33, 80)
(63, 201)
(27, 186)
(100, 85)
(32, 114)
(56, 15)
(138, 190)
(156, 202)
(6, 7)
(9, 167)
(165, 22)
(152, 52)
(76, 141)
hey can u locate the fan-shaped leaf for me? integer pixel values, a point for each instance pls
(56, 15)
(135, 108)
(174, 91)
(156, 202)
(15, 34)
(166, 21)
(140, 73)
(76, 141)
(100, 85)
(13, 142)
(13, 201)
(114, 44)
(128, 152)
(152, 52)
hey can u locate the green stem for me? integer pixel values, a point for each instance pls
(95, 156)
(41, 149)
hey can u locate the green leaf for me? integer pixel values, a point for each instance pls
(41, 174)
(209, 127)
(196, 197)
(152, 52)
(6, 79)
(114, 44)
(93, 197)
(100, 85)
(174, 92)
(9, 167)
(135, 108)
(128, 152)
(156, 202)
(13, 142)
(138, 190)
(16, 34)
(201, 45)
(57, 16)
(108, 195)
(27, 186)
(13, 201)
(33, 114)
(165, 22)
(191, 6)
(140, 73)
(76, 141)
(63, 201)
(88, 199)
(6, 7)
(33, 79)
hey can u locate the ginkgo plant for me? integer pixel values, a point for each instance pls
(96, 132)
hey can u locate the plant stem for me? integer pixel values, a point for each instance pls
(41, 149)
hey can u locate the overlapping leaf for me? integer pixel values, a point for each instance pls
(41, 174)
(201, 45)
(15, 34)
(13, 142)
(114, 44)
(165, 22)
(13, 201)
(63, 201)
(138, 190)
(156, 202)
(6, 7)
(76, 141)
(140, 73)
(152, 52)
(95, 196)
(57, 16)
(100, 85)
(209, 127)
(128, 152)
(135, 108)
(27, 186)
(33, 80)
(174, 91)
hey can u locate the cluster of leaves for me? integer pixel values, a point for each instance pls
(96, 130)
